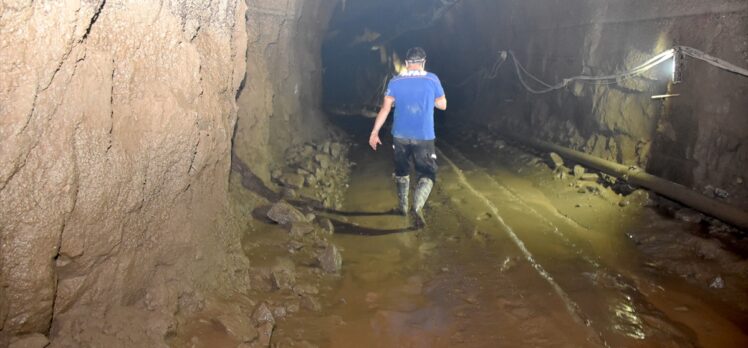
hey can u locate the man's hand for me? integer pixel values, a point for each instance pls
(374, 141)
(379, 122)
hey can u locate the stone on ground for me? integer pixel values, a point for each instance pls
(263, 314)
(579, 171)
(239, 327)
(330, 259)
(284, 213)
(556, 160)
(292, 180)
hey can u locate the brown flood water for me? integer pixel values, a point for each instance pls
(504, 262)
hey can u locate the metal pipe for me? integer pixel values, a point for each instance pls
(639, 177)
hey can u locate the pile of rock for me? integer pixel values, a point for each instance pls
(307, 231)
(318, 171)
(561, 171)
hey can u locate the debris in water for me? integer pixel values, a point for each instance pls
(330, 259)
(508, 264)
(284, 213)
(717, 283)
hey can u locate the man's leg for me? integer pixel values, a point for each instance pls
(425, 162)
(402, 180)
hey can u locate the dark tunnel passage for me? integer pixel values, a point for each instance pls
(200, 173)
(511, 72)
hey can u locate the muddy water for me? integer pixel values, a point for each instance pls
(505, 261)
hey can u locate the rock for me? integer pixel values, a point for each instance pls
(336, 150)
(508, 264)
(307, 151)
(639, 198)
(556, 160)
(327, 226)
(292, 180)
(305, 289)
(276, 174)
(308, 164)
(239, 327)
(561, 172)
(717, 283)
(279, 312)
(292, 307)
(624, 203)
(284, 213)
(35, 340)
(311, 180)
(325, 146)
(262, 314)
(294, 246)
(265, 333)
(311, 303)
(301, 229)
(470, 299)
(579, 171)
(283, 279)
(323, 160)
(330, 259)
(589, 177)
(689, 215)
(288, 193)
(720, 193)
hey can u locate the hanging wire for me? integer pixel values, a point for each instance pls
(483, 73)
(612, 79)
(605, 79)
(694, 53)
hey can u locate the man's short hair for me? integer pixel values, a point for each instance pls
(415, 55)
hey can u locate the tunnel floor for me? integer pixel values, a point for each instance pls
(512, 256)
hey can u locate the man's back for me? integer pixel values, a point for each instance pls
(415, 93)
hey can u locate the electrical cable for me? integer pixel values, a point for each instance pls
(483, 73)
(615, 78)
(694, 53)
(604, 79)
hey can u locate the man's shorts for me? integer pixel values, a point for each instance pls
(421, 152)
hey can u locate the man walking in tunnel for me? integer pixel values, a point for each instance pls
(414, 93)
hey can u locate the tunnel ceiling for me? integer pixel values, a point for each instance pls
(363, 41)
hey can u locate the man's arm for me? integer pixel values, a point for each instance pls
(441, 103)
(381, 117)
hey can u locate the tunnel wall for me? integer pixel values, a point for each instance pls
(696, 139)
(116, 120)
(280, 105)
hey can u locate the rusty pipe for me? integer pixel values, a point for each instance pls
(634, 175)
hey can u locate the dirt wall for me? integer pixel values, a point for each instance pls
(280, 105)
(696, 139)
(116, 120)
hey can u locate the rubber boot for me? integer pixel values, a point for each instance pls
(403, 186)
(423, 190)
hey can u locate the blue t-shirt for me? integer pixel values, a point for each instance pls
(414, 93)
